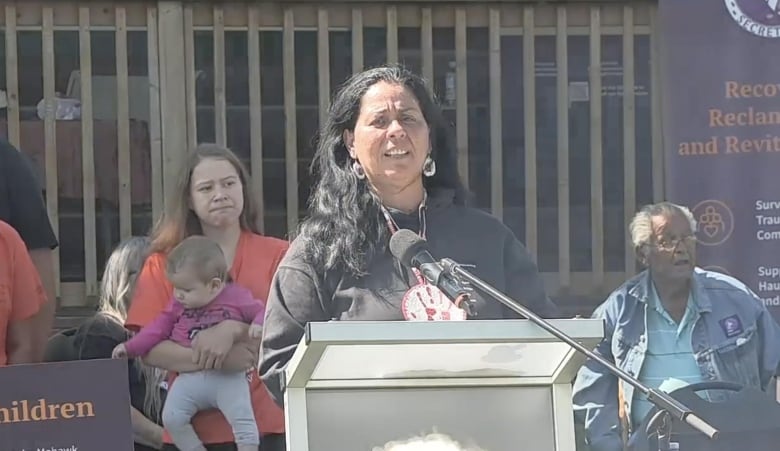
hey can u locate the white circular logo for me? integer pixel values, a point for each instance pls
(758, 17)
(425, 302)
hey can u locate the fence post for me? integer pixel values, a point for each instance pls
(173, 94)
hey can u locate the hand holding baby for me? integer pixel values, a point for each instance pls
(119, 352)
(255, 331)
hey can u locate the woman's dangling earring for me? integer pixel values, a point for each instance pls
(429, 167)
(360, 173)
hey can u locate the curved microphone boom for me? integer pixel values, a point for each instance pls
(452, 278)
(412, 251)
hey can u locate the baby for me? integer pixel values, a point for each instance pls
(202, 297)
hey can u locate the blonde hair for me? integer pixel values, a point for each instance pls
(430, 442)
(201, 255)
(116, 289)
(119, 276)
(179, 221)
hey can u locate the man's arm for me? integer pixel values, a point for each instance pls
(27, 298)
(43, 260)
(171, 356)
(595, 394)
(769, 332)
(21, 346)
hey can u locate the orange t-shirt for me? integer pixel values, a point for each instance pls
(21, 290)
(253, 268)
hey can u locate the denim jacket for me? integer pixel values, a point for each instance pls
(735, 339)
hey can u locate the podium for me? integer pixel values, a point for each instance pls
(503, 385)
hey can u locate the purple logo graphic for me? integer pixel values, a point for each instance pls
(715, 222)
(731, 326)
(759, 17)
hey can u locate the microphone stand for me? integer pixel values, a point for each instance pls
(668, 407)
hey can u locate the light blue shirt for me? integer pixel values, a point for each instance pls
(669, 362)
(733, 338)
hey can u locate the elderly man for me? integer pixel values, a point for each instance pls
(672, 325)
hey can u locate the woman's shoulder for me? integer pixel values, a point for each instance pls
(295, 257)
(95, 337)
(473, 219)
(156, 260)
(256, 241)
(103, 325)
(298, 261)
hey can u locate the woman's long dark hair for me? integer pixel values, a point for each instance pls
(345, 228)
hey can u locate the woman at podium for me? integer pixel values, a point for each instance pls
(385, 162)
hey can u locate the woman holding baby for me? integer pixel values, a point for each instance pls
(213, 198)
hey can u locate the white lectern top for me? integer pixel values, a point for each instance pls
(385, 353)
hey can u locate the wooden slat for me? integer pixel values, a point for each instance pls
(496, 116)
(656, 128)
(255, 112)
(12, 76)
(374, 16)
(173, 94)
(461, 90)
(357, 40)
(392, 35)
(189, 78)
(87, 154)
(73, 294)
(123, 126)
(409, 15)
(596, 158)
(340, 17)
(50, 134)
(291, 139)
(629, 133)
(220, 108)
(323, 63)
(29, 13)
(426, 42)
(529, 113)
(562, 107)
(155, 137)
(575, 30)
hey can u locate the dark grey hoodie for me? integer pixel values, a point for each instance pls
(469, 236)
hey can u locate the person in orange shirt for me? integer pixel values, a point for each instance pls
(21, 298)
(213, 198)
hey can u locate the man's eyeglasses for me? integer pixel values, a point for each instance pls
(669, 244)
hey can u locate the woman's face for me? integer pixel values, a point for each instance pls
(391, 138)
(216, 193)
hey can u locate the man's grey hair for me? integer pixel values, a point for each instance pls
(641, 226)
(430, 442)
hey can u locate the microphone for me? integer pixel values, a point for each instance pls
(412, 251)
(452, 279)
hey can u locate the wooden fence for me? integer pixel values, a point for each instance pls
(518, 81)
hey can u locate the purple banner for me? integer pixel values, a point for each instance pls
(721, 124)
(70, 406)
